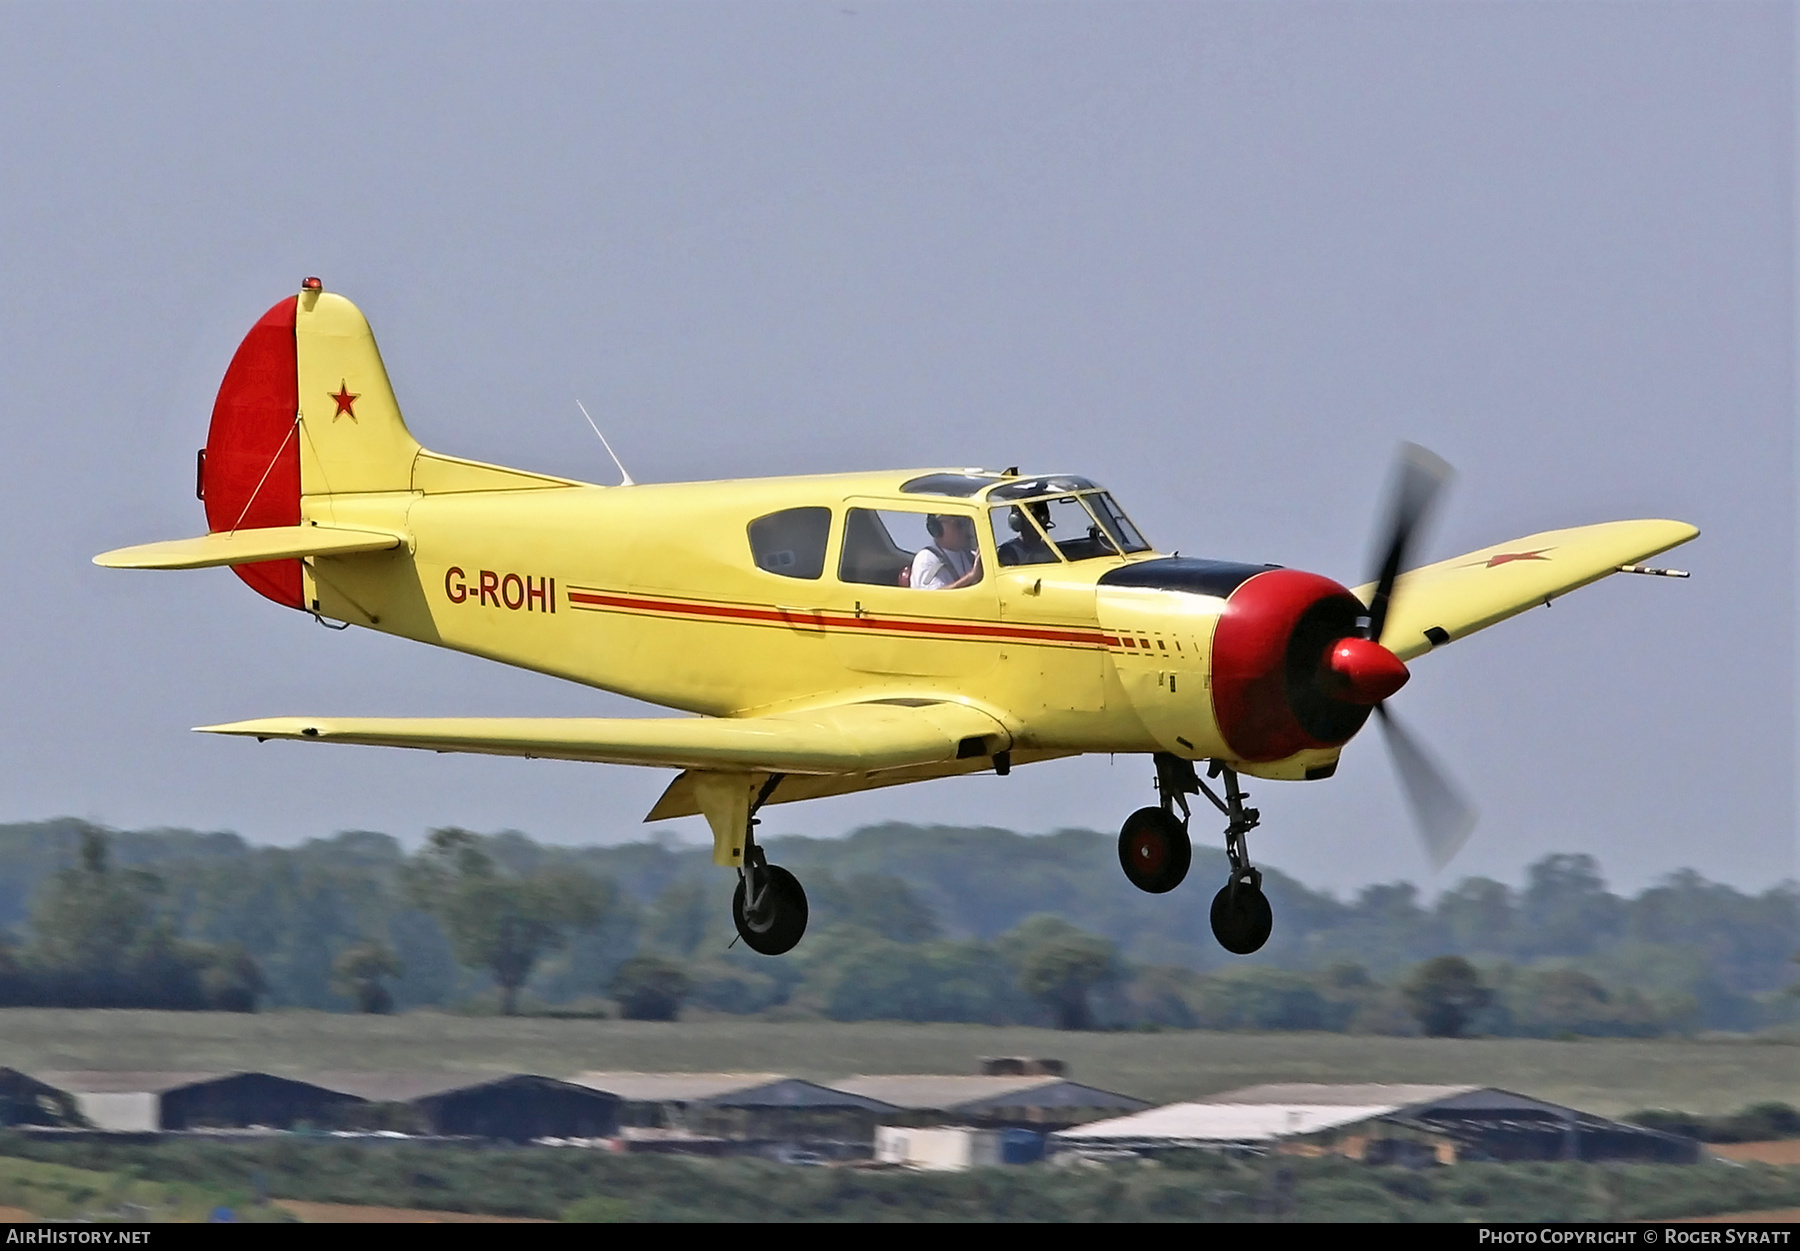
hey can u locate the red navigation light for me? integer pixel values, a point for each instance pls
(312, 284)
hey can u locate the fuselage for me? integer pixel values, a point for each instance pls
(755, 596)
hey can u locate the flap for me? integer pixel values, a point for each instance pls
(1471, 592)
(682, 798)
(844, 738)
(245, 547)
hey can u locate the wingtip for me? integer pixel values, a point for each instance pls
(233, 727)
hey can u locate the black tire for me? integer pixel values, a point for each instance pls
(784, 919)
(1154, 851)
(1241, 918)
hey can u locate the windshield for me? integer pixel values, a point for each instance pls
(1074, 527)
(1117, 524)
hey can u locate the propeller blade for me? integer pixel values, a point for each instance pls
(1444, 818)
(1418, 477)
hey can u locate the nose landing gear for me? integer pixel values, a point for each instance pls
(1241, 919)
(1155, 852)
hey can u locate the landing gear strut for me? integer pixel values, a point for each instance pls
(1241, 919)
(768, 907)
(1155, 852)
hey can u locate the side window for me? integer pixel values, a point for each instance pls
(791, 542)
(1018, 540)
(926, 551)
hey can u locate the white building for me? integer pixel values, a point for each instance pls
(944, 1148)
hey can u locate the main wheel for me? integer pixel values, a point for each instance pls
(777, 925)
(1241, 919)
(1154, 850)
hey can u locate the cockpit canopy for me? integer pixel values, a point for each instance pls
(1044, 518)
(1039, 520)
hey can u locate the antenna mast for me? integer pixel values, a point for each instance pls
(603, 443)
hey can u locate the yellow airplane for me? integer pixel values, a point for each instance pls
(837, 633)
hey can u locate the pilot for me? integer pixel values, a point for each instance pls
(950, 560)
(1029, 547)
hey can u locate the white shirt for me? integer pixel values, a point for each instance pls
(934, 569)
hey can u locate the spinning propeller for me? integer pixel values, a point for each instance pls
(1360, 670)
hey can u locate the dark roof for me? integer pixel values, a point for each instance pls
(795, 1092)
(1054, 1094)
(97, 1082)
(410, 1087)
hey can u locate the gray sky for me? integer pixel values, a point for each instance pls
(1222, 258)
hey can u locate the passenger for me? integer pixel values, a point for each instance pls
(950, 561)
(1029, 547)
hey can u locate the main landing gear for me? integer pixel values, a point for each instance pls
(1155, 852)
(768, 907)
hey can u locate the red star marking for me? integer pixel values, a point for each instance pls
(1506, 558)
(346, 403)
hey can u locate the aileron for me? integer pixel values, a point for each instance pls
(1454, 598)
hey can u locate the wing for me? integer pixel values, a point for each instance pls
(246, 547)
(1471, 592)
(842, 739)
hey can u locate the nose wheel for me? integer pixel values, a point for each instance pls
(1241, 919)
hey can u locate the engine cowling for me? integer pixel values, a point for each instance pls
(1291, 670)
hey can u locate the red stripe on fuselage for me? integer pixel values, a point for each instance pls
(737, 612)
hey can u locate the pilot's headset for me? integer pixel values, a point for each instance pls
(935, 524)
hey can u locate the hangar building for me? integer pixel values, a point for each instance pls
(1381, 1124)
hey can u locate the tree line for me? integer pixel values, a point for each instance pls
(913, 923)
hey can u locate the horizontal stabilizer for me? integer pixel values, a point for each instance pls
(839, 739)
(1454, 598)
(247, 547)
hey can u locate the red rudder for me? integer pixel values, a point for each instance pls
(250, 478)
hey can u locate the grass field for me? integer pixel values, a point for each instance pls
(1608, 1076)
(32, 1189)
(312, 1177)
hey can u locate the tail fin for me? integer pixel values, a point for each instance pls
(305, 410)
(352, 438)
